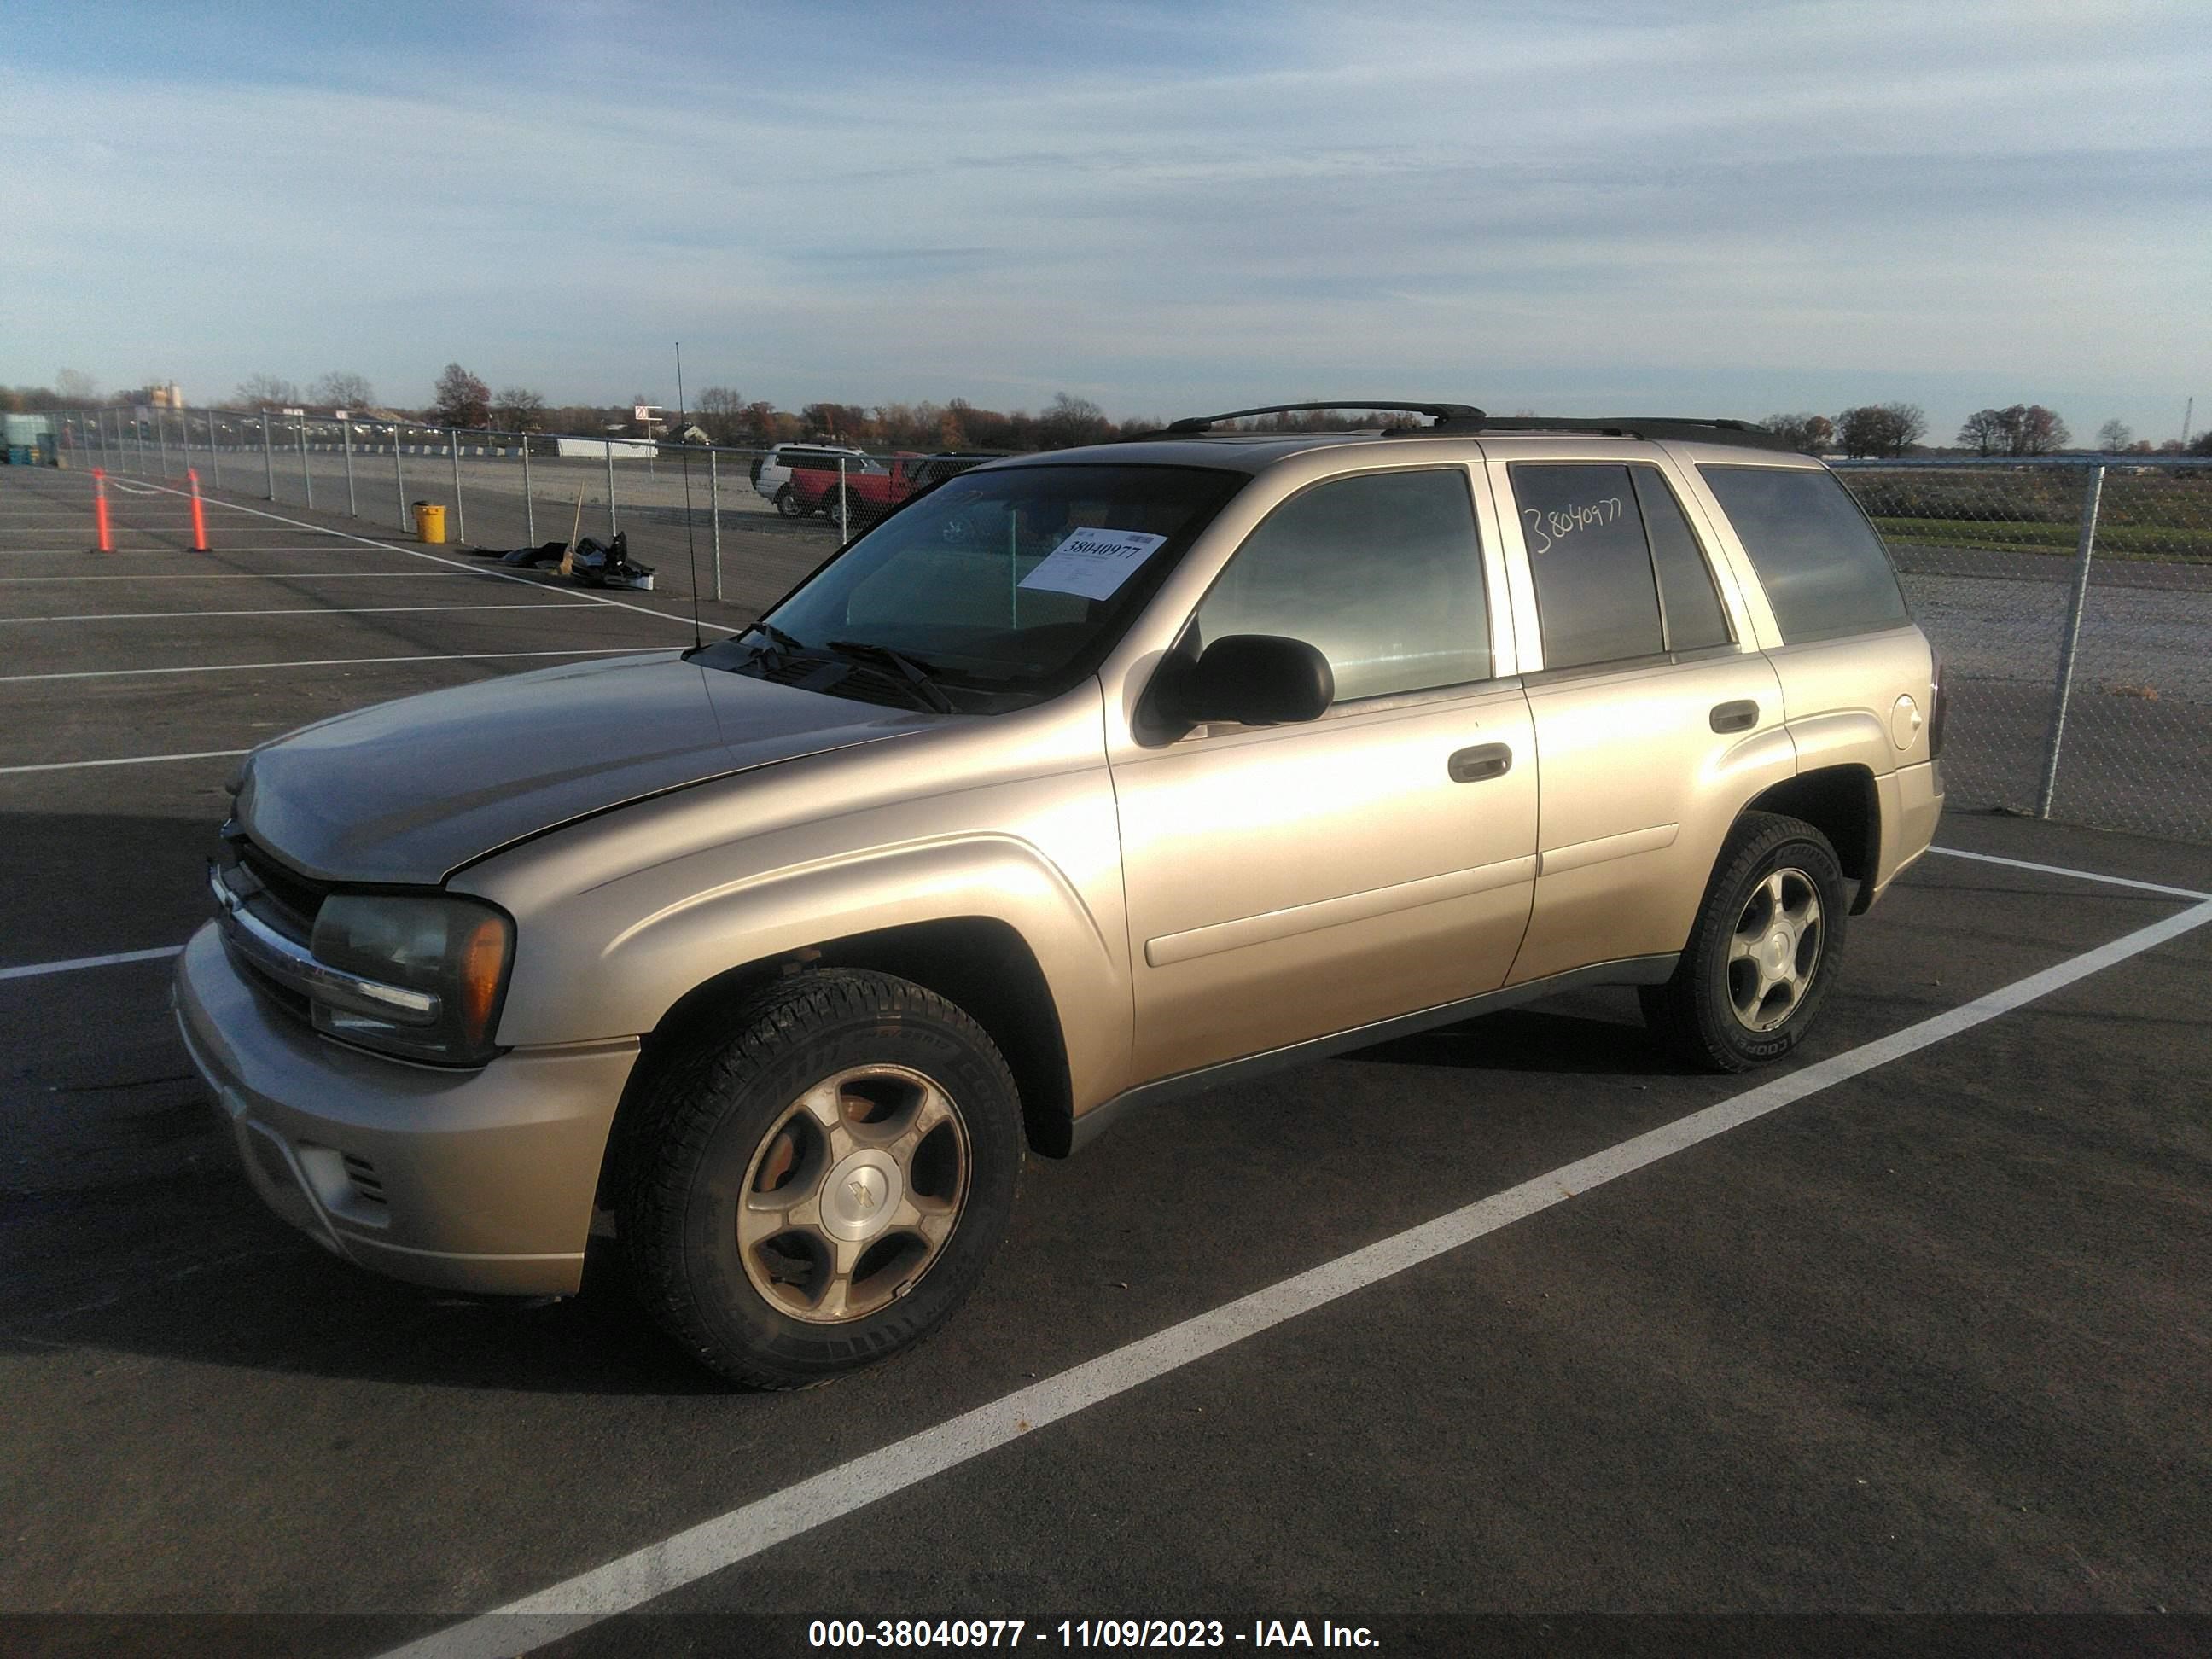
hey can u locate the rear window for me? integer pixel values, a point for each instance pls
(1824, 569)
(1597, 598)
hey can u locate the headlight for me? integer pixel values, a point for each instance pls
(454, 952)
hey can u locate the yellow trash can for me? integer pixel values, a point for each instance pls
(429, 522)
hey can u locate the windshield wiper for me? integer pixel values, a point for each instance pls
(914, 671)
(776, 636)
(780, 644)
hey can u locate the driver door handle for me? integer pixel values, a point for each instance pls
(1486, 760)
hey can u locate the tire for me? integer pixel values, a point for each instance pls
(1767, 943)
(823, 1080)
(789, 504)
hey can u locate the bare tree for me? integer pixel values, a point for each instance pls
(720, 410)
(1813, 434)
(76, 387)
(341, 389)
(265, 392)
(2114, 436)
(2036, 430)
(844, 422)
(1880, 428)
(1072, 421)
(766, 424)
(1907, 424)
(1984, 432)
(518, 409)
(463, 400)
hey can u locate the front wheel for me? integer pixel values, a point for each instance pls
(789, 505)
(1766, 944)
(822, 1186)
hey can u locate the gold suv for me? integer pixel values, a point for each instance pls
(1082, 779)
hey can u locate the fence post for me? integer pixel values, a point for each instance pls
(306, 474)
(345, 434)
(529, 507)
(613, 527)
(214, 451)
(162, 441)
(2085, 548)
(268, 459)
(844, 532)
(399, 475)
(461, 513)
(715, 512)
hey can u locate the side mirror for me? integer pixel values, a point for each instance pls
(1254, 679)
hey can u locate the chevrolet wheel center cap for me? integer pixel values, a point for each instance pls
(859, 1195)
(1778, 951)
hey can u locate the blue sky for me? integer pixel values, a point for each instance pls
(1708, 209)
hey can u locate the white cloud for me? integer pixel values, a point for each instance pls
(1155, 207)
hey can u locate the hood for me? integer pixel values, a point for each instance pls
(408, 792)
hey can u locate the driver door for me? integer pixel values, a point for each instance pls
(1289, 882)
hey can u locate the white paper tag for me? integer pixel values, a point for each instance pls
(1092, 563)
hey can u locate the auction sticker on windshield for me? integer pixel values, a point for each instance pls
(1092, 563)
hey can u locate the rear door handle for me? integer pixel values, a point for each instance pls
(1736, 716)
(1486, 760)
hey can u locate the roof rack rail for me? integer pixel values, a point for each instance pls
(1439, 412)
(1716, 429)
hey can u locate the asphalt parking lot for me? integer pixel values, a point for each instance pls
(1921, 1331)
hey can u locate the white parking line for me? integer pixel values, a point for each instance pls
(35, 969)
(2079, 875)
(50, 551)
(329, 662)
(253, 576)
(124, 760)
(304, 610)
(631, 1580)
(436, 559)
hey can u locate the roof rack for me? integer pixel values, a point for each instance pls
(1438, 412)
(1464, 420)
(1717, 429)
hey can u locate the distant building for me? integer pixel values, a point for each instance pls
(166, 394)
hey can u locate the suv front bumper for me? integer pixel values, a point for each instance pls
(478, 1181)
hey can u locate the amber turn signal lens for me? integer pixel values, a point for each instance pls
(483, 962)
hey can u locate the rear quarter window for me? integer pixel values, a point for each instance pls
(1824, 569)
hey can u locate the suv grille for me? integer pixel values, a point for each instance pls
(288, 901)
(284, 900)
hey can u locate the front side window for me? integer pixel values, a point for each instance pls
(1823, 567)
(1382, 571)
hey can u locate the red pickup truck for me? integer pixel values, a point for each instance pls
(869, 494)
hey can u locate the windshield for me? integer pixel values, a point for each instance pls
(1010, 581)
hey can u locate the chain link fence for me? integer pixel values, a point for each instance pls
(2071, 600)
(756, 520)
